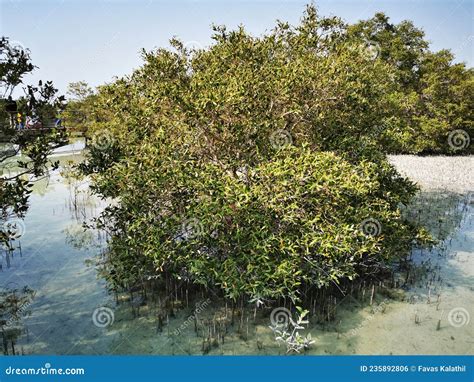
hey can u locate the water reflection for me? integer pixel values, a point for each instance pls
(55, 250)
(14, 305)
(70, 310)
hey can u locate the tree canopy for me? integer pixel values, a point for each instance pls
(40, 105)
(257, 166)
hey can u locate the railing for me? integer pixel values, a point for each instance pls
(7, 134)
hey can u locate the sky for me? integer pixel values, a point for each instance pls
(95, 41)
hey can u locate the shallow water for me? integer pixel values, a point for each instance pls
(432, 315)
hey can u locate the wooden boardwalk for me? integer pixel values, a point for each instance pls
(9, 134)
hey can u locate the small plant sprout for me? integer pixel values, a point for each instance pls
(289, 333)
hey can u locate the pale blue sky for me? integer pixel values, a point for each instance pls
(72, 40)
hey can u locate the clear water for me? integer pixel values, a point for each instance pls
(54, 262)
